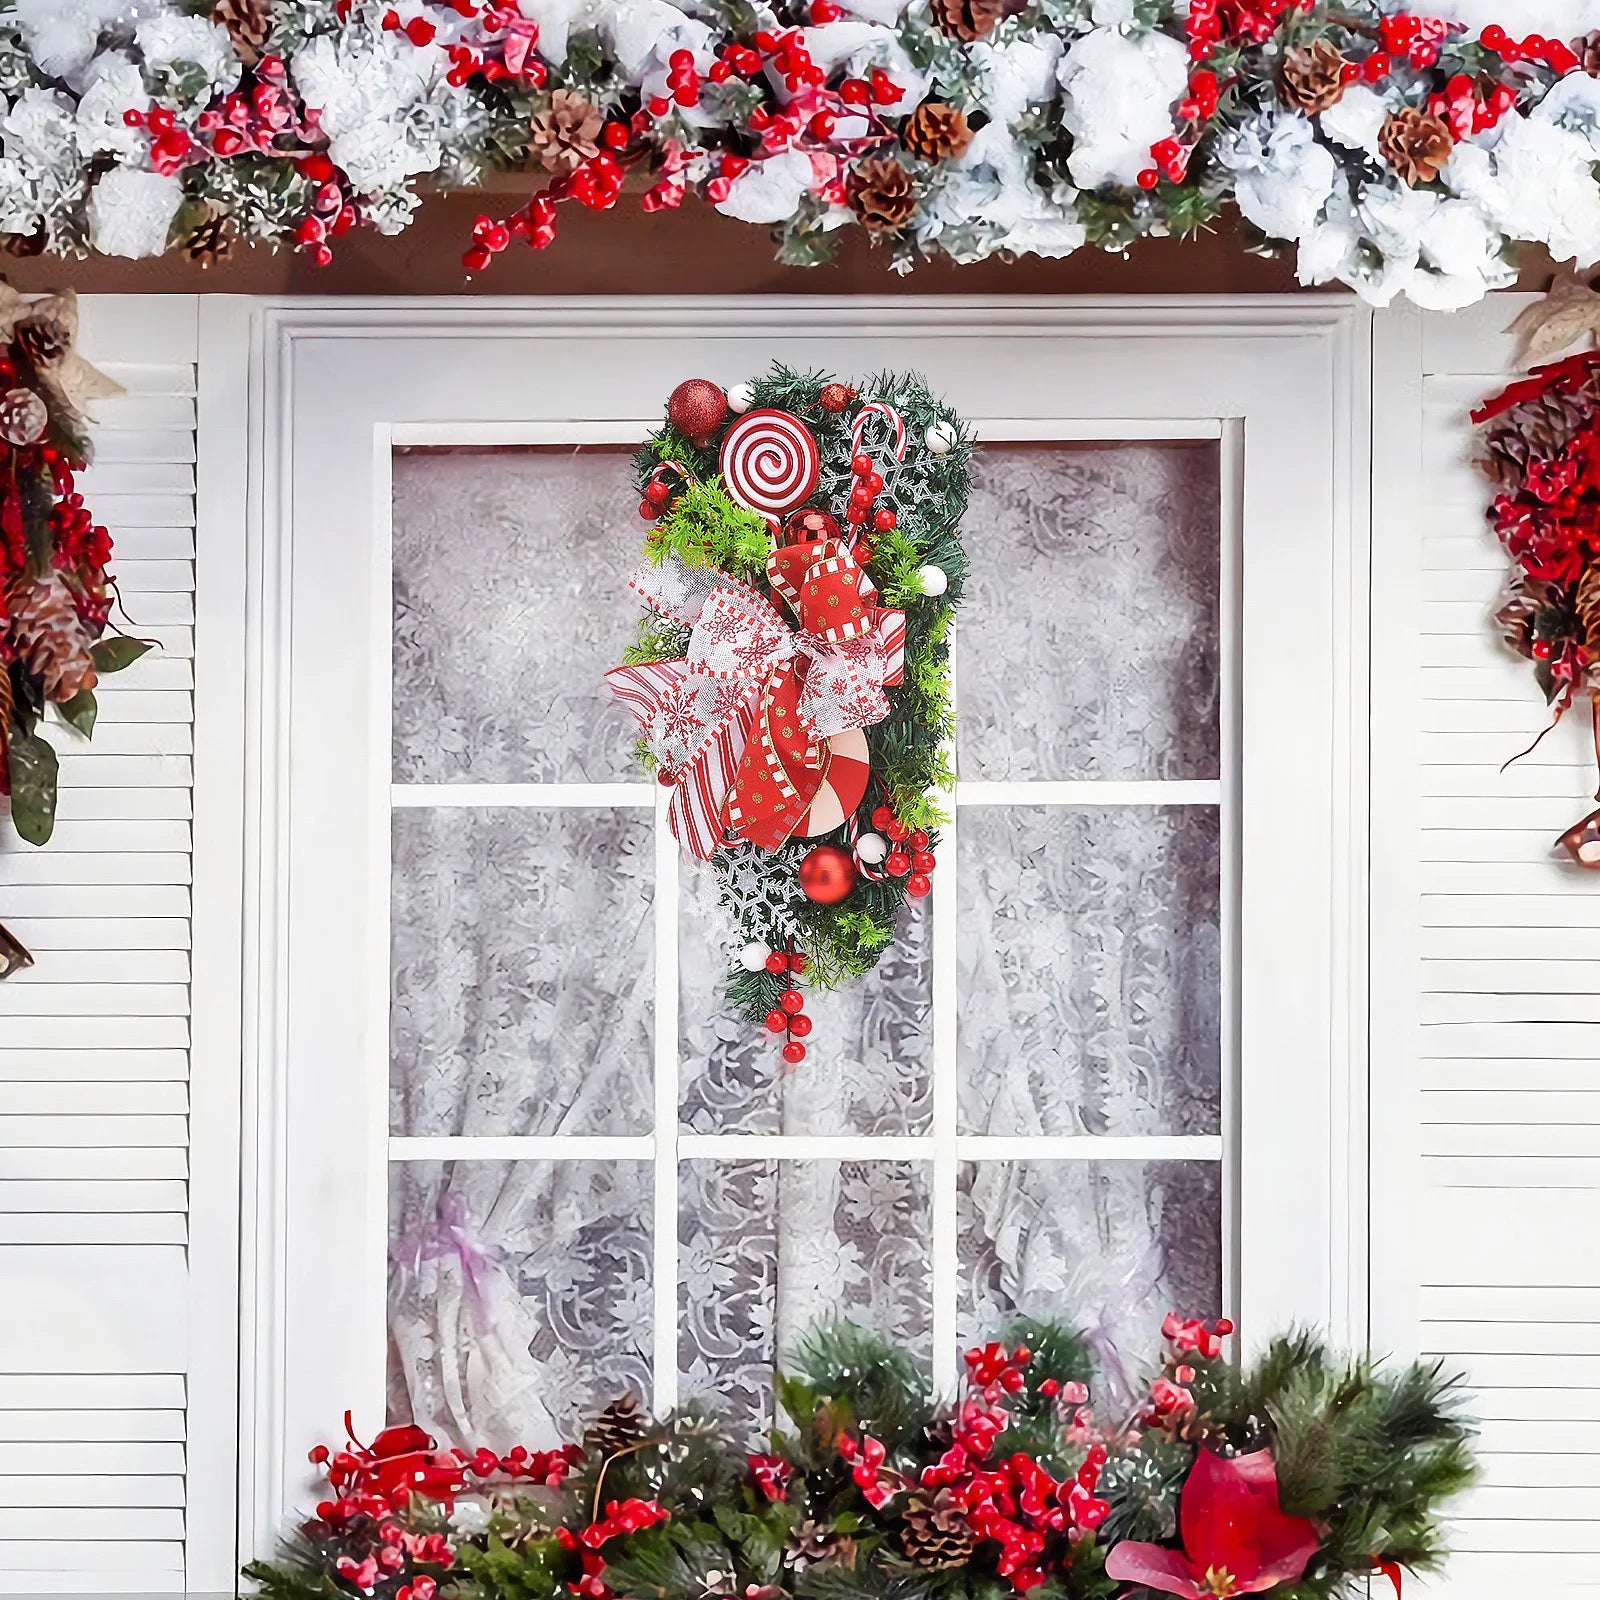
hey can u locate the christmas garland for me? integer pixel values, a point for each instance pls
(1541, 451)
(1397, 152)
(55, 593)
(791, 675)
(1304, 1475)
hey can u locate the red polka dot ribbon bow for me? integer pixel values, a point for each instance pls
(741, 725)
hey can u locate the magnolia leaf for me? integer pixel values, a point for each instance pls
(80, 711)
(33, 788)
(118, 652)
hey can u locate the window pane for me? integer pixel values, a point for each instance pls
(521, 971)
(519, 1295)
(510, 601)
(1087, 647)
(768, 1249)
(870, 1062)
(1089, 958)
(1108, 1246)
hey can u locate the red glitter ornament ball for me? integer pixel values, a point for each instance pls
(827, 875)
(697, 408)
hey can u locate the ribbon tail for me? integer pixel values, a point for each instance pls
(781, 770)
(1391, 1570)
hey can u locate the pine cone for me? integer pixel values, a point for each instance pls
(936, 132)
(44, 341)
(881, 193)
(212, 240)
(1586, 604)
(936, 1534)
(24, 245)
(23, 416)
(973, 19)
(1416, 144)
(49, 637)
(811, 1544)
(563, 136)
(1313, 76)
(620, 1425)
(249, 25)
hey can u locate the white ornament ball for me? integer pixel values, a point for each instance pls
(753, 958)
(741, 397)
(873, 849)
(941, 438)
(932, 580)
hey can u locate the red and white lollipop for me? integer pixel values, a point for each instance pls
(769, 462)
(842, 788)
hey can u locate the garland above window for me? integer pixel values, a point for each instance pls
(791, 678)
(1394, 151)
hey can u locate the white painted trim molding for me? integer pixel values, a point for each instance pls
(1328, 337)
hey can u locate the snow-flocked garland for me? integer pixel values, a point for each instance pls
(1397, 152)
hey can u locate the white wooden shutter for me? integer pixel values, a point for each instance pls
(1486, 1010)
(94, 1040)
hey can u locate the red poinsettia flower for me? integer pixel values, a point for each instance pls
(1236, 1537)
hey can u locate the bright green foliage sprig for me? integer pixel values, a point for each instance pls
(705, 528)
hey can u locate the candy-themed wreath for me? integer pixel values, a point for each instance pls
(1398, 151)
(1541, 451)
(790, 678)
(55, 593)
(1304, 1476)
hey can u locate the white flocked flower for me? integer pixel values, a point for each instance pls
(113, 86)
(381, 101)
(770, 190)
(989, 199)
(1119, 91)
(1356, 119)
(1536, 184)
(131, 212)
(63, 36)
(172, 41)
(1283, 177)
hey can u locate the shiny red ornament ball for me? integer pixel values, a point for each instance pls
(697, 408)
(794, 1052)
(835, 397)
(777, 1021)
(827, 875)
(918, 885)
(777, 962)
(792, 1001)
(800, 1025)
(809, 525)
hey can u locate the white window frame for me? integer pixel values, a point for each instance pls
(336, 385)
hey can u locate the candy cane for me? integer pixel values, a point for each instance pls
(871, 873)
(877, 408)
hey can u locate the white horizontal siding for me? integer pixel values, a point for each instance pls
(94, 1045)
(1487, 1068)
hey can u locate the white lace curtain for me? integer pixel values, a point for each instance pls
(521, 1292)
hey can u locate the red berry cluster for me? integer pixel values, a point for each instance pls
(622, 1517)
(1017, 1504)
(1212, 23)
(660, 492)
(1171, 1399)
(1559, 57)
(866, 486)
(789, 1017)
(1469, 107)
(910, 858)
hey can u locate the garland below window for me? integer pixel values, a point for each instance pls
(1399, 152)
(1304, 1475)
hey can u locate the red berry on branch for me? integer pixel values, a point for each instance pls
(777, 962)
(882, 817)
(919, 885)
(898, 864)
(924, 861)
(800, 1025)
(918, 840)
(884, 520)
(646, 509)
(798, 961)
(792, 1001)
(861, 465)
(794, 1052)
(896, 829)
(1149, 178)
(777, 1021)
